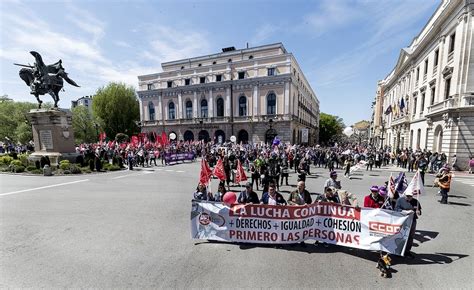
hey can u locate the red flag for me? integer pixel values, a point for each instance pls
(205, 174)
(134, 140)
(102, 136)
(208, 169)
(164, 138)
(240, 175)
(219, 170)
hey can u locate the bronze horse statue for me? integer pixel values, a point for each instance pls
(44, 79)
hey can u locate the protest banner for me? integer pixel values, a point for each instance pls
(177, 157)
(362, 228)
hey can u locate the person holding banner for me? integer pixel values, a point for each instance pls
(272, 197)
(374, 200)
(300, 196)
(407, 205)
(201, 193)
(329, 195)
(248, 195)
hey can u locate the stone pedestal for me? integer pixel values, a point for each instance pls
(52, 134)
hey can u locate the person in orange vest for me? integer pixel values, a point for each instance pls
(445, 184)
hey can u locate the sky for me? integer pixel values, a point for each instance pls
(343, 46)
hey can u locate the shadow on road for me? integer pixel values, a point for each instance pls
(457, 196)
(459, 203)
(425, 236)
(310, 248)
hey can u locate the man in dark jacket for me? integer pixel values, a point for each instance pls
(300, 196)
(407, 204)
(248, 195)
(272, 197)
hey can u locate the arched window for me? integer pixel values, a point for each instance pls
(171, 111)
(243, 106)
(271, 104)
(220, 107)
(189, 109)
(203, 108)
(151, 111)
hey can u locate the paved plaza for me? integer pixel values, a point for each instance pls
(131, 229)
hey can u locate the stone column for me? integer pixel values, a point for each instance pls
(227, 102)
(140, 103)
(160, 108)
(210, 105)
(287, 98)
(255, 101)
(179, 109)
(195, 105)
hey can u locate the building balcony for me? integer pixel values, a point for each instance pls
(467, 101)
(401, 120)
(443, 105)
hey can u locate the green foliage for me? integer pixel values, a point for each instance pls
(36, 171)
(111, 167)
(24, 159)
(75, 169)
(16, 163)
(17, 168)
(30, 168)
(5, 160)
(330, 128)
(64, 165)
(13, 119)
(121, 137)
(116, 107)
(83, 125)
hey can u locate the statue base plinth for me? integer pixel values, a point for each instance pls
(52, 134)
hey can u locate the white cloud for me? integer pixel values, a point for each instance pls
(87, 22)
(330, 15)
(168, 44)
(263, 33)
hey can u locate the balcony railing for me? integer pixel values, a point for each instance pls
(446, 104)
(467, 101)
(400, 120)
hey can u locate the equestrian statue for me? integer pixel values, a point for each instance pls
(44, 79)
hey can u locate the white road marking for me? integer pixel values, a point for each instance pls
(169, 170)
(179, 171)
(133, 174)
(43, 187)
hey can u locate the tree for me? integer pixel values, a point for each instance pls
(83, 125)
(116, 108)
(330, 128)
(14, 125)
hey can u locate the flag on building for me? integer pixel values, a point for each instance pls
(402, 104)
(219, 170)
(388, 110)
(240, 175)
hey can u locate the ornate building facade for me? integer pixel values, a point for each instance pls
(427, 101)
(253, 94)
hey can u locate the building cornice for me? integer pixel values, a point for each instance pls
(218, 86)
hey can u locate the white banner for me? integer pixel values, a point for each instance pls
(362, 228)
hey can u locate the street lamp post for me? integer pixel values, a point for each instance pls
(383, 131)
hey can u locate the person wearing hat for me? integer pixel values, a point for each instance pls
(373, 200)
(330, 195)
(248, 195)
(407, 205)
(332, 181)
(444, 183)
